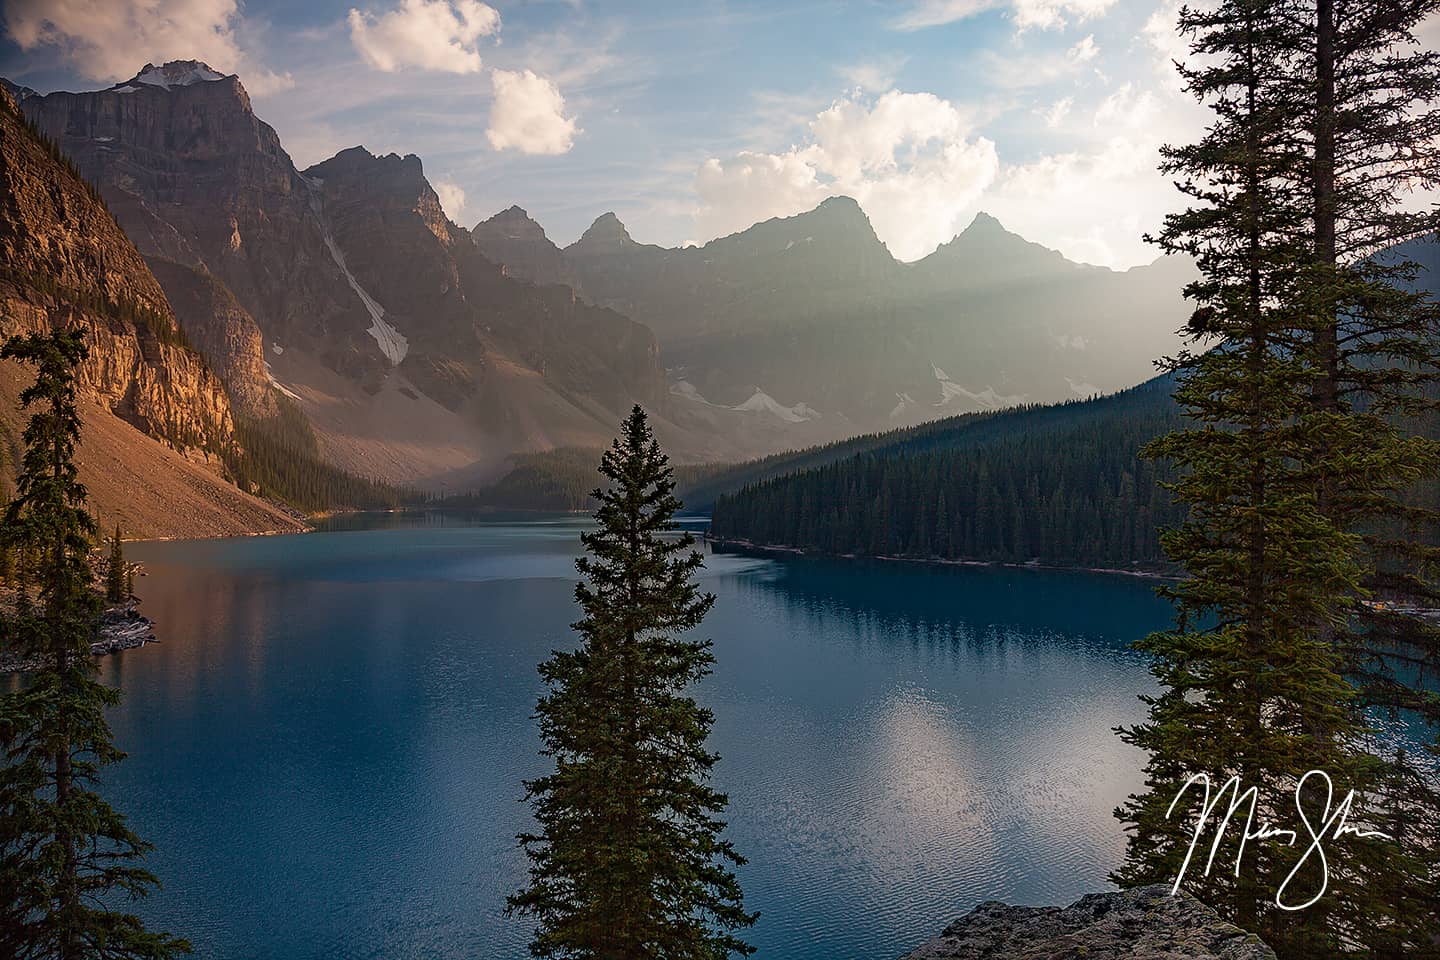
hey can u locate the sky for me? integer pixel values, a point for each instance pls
(695, 120)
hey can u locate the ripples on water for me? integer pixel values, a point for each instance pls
(328, 745)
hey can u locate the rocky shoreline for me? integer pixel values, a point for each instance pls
(1143, 574)
(1144, 923)
(122, 627)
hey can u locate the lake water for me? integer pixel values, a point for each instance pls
(327, 746)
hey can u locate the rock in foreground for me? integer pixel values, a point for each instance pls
(1146, 923)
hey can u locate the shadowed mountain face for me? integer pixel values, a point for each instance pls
(414, 356)
(809, 317)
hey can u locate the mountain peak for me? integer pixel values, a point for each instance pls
(607, 228)
(175, 73)
(512, 223)
(985, 223)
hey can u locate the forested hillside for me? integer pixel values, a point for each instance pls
(1061, 484)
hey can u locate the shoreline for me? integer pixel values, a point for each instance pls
(942, 562)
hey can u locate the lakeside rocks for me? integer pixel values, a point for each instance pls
(1145, 923)
(121, 627)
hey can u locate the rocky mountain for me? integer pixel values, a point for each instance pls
(809, 318)
(513, 239)
(414, 357)
(154, 409)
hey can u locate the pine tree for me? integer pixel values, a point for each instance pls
(64, 851)
(629, 863)
(1253, 683)
(116, 577)
(1365, 98)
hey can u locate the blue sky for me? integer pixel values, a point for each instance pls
(693, 120)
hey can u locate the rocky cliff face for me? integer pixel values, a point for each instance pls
(67, 263)
(461, 315)
(223, 331)
(153, 414)
(195, 177)
(1140, 924)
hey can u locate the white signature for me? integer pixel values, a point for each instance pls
(1333, 825)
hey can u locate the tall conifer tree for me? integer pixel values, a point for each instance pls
(1366, 101)
(629, 863)
(1254, 683)
(65, 854)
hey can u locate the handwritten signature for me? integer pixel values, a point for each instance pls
(1332, 825)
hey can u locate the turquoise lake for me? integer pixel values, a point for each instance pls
(328, 744)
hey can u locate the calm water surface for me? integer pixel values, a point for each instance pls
(328, 745)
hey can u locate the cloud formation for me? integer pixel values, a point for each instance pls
(528, 114)
(113, 39)
(921, 172)
(452, 198)
(906, 157)
(427, 34)
(1042, 14)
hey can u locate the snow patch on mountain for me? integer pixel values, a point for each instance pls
(686, 389)
(987, 399)
(907, 402)
(270, 374)
(392, 342)
(762, 402)
(176, 73)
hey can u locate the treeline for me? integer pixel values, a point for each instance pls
(1061, 485)
(279, 458)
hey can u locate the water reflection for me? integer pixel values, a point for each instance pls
(329, 743)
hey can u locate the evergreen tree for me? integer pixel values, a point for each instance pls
(64, 851)
(630, 863)
(116, 578)
(1255, 681)
(1366, 101)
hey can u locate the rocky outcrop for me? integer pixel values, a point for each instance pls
(519, 244)
(1145, 923)
(223, 331)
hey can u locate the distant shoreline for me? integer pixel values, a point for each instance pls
(940, 561)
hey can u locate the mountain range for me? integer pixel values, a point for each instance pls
(419, 352)
(810, 317)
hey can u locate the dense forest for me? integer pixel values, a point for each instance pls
(279, 458)
(1061, 484)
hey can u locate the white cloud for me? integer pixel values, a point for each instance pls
(113, 39)
(429, 34)
(1045, 14)
(1084, 51)
(934, 13)
(1048, 14)
(452, 198)
(1093, 203)
(1058, 111)
(529, 114)
(875, 76)
(906, 157)
(920, 171)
